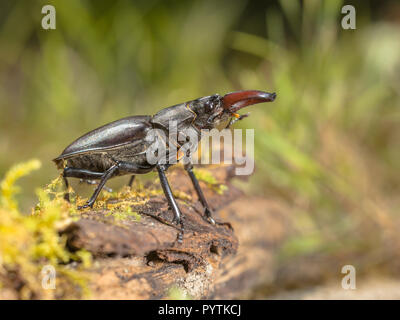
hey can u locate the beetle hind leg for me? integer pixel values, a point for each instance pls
(104, 177)
(94, 182)
(131, 181)
(70, 172)
(66, 195)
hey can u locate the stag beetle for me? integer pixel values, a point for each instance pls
(119, 148)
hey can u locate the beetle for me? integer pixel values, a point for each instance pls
(121, 147)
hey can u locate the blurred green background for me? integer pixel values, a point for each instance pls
(329, 145)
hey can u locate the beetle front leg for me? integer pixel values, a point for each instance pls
(171, 200)
(237, 118)
(207, 210)
(196, 185)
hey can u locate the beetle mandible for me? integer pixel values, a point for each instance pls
(120, 147)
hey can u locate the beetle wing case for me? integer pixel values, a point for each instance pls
(109, 136)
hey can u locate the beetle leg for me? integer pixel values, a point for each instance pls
(196, 185)
(78, 173)
(131, 181)
(94, 182)
(202, 198)
(81, 173)
(133, 168)
(237, 117)
(105, 176)
(171, 200)
(66, 195)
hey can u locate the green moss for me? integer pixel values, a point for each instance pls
(8, 190)
(126, 214)
(30, 241)
(207, 177)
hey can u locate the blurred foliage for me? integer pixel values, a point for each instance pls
(329, 144)
(30, 242)
(207, 177)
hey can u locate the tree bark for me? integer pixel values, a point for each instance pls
(142, 259)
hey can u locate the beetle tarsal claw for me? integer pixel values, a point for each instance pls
(228, 224)
(211, 220)
(84, 206)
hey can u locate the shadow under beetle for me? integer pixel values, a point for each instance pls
(120, 147)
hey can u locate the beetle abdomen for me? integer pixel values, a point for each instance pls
(101, 161)
(96, 162)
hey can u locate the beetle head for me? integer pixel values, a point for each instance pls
(214, 110)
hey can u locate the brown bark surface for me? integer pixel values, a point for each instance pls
(142, 259)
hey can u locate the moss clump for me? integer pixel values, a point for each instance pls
(125, 214)
(207, 177)
(182, 195)
(28, 242)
